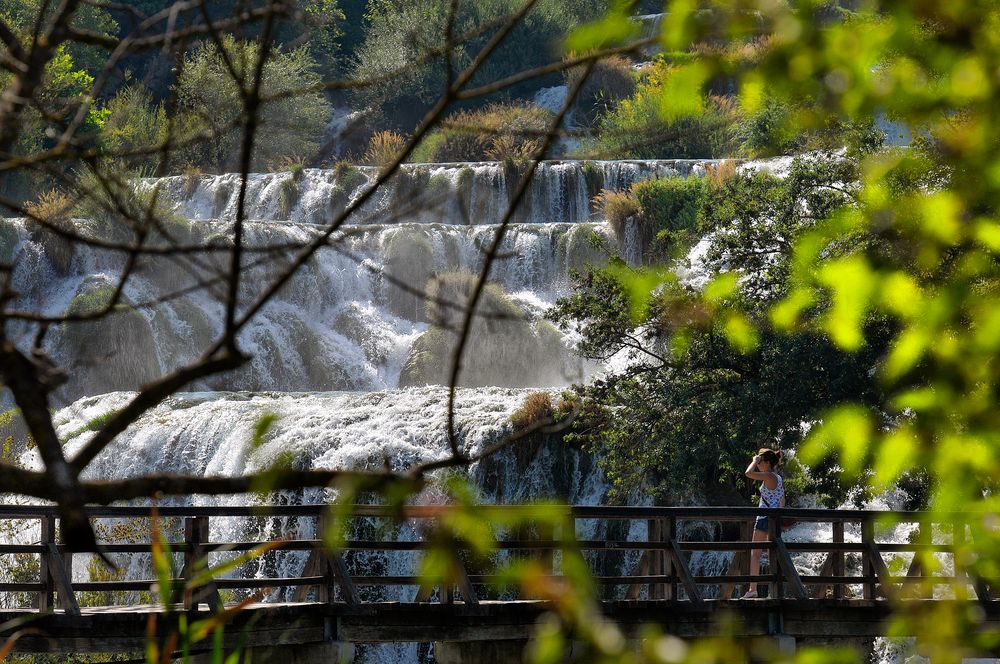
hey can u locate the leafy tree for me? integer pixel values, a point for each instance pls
(23, 15)
(684, 398)
(918, 248)
(133, 123)
(291, 118)
(402, 33)
(64, 86)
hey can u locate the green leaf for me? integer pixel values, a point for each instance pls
(896, 455)
(549, 645)
(741, 332)
(853, 284)
(720, 288)
(942, 217)
(752, 93)
(677, 31)
(907, 350)
(681, 94)
(845, 431)
(640, 285)
(264, 424)
(616, 27)
(902, 295)
(785, 314)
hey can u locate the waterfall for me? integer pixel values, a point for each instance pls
(348, 354)
(462, 193)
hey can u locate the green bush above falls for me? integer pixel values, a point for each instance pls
(666, 213)
(499, 132)
(637, 128)
(210, 106)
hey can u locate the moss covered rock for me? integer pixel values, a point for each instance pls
(409, 261)
(114, 352)
(505, 346)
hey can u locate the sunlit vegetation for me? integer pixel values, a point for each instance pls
(497, 132)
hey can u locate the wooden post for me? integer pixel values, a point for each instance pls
(45, 599)
(655, 565)
(916, 570)
(64, 576)
(962, 576)
(740, 564)
(669, 568)
(775, 588)
(325, 591)
(838, 559)
(196, 534)
(868, 571)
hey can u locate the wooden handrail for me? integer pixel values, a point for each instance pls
(661, 569)
(634, 513)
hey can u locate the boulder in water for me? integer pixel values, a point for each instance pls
(409, 260)
(505, 346)
(111, 353)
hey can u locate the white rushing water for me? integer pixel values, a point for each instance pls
(354, 317)
(348, 356)
(461, 193)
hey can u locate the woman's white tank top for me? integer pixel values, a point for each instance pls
(772, 497)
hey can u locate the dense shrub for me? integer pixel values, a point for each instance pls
(610, 81)
(539, 406)
(770, 131)
(120, 211)
(637, 129)
(53, 209)
(134, 123)
(670, 208)
(667, 211)
(384, 148)
(402, 32)
(617, 207)
(498, 132)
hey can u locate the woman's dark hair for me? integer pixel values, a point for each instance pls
(773, 457)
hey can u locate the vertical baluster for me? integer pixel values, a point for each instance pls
(192, 551)
(838, 559)
(962, 579)
(66, 600)
(868, 571)
(325, 592)
(653, 555)
(196, 535)
(775, 589)
(47, 535)
(669, 530)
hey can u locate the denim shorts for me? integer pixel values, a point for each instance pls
(761, 524)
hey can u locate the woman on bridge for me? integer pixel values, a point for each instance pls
(772, 494)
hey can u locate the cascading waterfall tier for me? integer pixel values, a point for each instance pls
(461, 193)
(211, 433)
(347, 321)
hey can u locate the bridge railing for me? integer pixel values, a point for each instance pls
(654, 566)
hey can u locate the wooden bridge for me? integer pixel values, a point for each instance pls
(362, 592)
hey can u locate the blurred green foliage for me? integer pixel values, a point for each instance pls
(914, 251)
